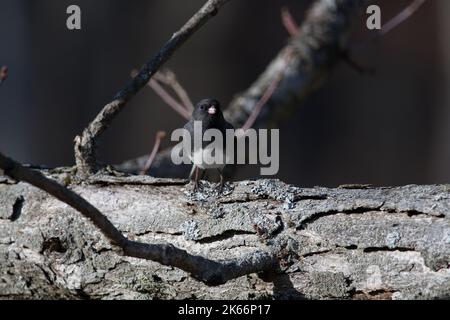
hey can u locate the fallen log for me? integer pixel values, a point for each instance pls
(350, 242)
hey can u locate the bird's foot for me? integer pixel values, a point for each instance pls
(198, 186)
(220, 189)
(225, 189)
(206, 191)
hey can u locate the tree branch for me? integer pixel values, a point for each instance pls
(350, 242)
(165, 96)
(85, 144)
(160, 135)
(314, 54)
(37, 179)
(168, 99)
(390, 25)
(289, 22)
(304, 64)
(266, 96)
(169, 78)
(3, 74)
(401, 17)
(209, 271)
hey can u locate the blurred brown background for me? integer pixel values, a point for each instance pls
(389, 129)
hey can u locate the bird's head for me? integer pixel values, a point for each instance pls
(207, 110)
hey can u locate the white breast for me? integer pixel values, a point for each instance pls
(205, 158)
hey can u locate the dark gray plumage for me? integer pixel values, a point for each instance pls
(209, 112)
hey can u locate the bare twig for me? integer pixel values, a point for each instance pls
(293, 29)
(289, 22)
(386, 28)
(160, 135)
(392, 24)
(85, 144)
(3, 74)
(169, 78)
(209, 271)
(401, 17)
(166, 97)
(348, 59)
(266, 96)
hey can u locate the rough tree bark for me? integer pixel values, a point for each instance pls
(350, 242)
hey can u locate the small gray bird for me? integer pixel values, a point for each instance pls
(209, 113)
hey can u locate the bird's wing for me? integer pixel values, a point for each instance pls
(228, 125)
(189, 126)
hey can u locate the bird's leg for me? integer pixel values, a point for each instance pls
(221, 181)
(196, 179)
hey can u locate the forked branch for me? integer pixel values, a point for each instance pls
(169, 78)
(166, 97)
(85, 144)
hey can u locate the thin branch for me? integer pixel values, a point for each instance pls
(169, 78)
(348, 59)
(86, 143)
(392, 24)
(289, 22)
(160, 135)
(3, 74)
(209, 271)
(401, 17)
(267, 94)
(166, 97)
(293, 29)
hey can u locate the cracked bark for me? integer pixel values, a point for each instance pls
(350, 242)
(203, 269)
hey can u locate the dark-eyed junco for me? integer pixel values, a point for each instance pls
(208, 113)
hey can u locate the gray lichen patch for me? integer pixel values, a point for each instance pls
(207, 192)
(190, 230)
(267, 226)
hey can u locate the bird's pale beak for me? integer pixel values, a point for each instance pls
(212, 110)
